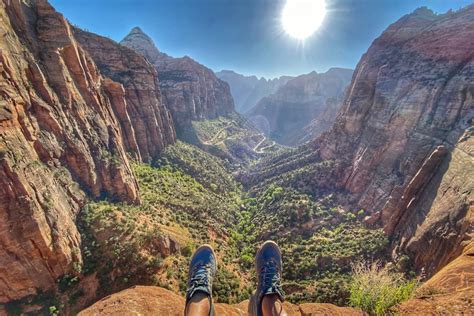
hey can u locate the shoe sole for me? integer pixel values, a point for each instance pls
(205, 246)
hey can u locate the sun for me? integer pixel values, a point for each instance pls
(301, 18)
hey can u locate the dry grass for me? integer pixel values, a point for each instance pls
(375, 288)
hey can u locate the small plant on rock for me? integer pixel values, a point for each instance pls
(374, 288)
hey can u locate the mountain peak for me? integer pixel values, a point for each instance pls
(137, 33)
(137, 29)
(139, 41)
(423, 11)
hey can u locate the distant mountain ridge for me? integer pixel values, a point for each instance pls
(287, 114)
(248, 90)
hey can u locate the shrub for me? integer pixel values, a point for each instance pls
(246, 260)
(187, 250)
(375, 288)
(53, 310)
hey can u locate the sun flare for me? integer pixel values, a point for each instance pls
(301, 18)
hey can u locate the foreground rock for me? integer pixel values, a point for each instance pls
(150, 300)
(449, 292)
(287, 115)
(190, 90)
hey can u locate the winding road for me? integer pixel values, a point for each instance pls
(262, 150)
(256, 148)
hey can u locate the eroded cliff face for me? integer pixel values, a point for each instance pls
(190, 90)
(287, 114)
(64, 133)
(403, 137)
(146, 122)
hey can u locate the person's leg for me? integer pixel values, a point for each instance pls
(268, 298)
(198, 305)
(202, 269)
(272, 306)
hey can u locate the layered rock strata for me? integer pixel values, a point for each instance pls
(65, 130)
(403, 138)
(146, 122)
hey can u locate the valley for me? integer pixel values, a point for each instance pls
(117, 161)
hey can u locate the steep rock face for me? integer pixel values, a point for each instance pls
(190, 90)
(248, 90)
(284, 114)
(403, 137)
(146, 122)
(59, 138)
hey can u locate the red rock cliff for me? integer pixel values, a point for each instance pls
(404, 134)
(146, 122)
(64, 133)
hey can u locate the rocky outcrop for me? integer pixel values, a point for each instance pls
(248, 90)
(146, 122)
(190, 90)
(448, 292)
(284, 115)
(64, 133)
(150, 300)
(403, 137)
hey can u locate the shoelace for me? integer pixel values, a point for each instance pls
(200, 276)
(270, 279)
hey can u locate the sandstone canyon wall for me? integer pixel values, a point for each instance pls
(190, 90)
(285, 114)
(65, 130)
(403, 138)
(151, 127)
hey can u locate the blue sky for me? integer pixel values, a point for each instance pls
(246, 35)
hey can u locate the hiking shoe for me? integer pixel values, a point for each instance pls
(202, 269)
(269, 266)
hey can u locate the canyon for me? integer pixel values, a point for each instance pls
(117, 160)
(303, 108)
(397, 160)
